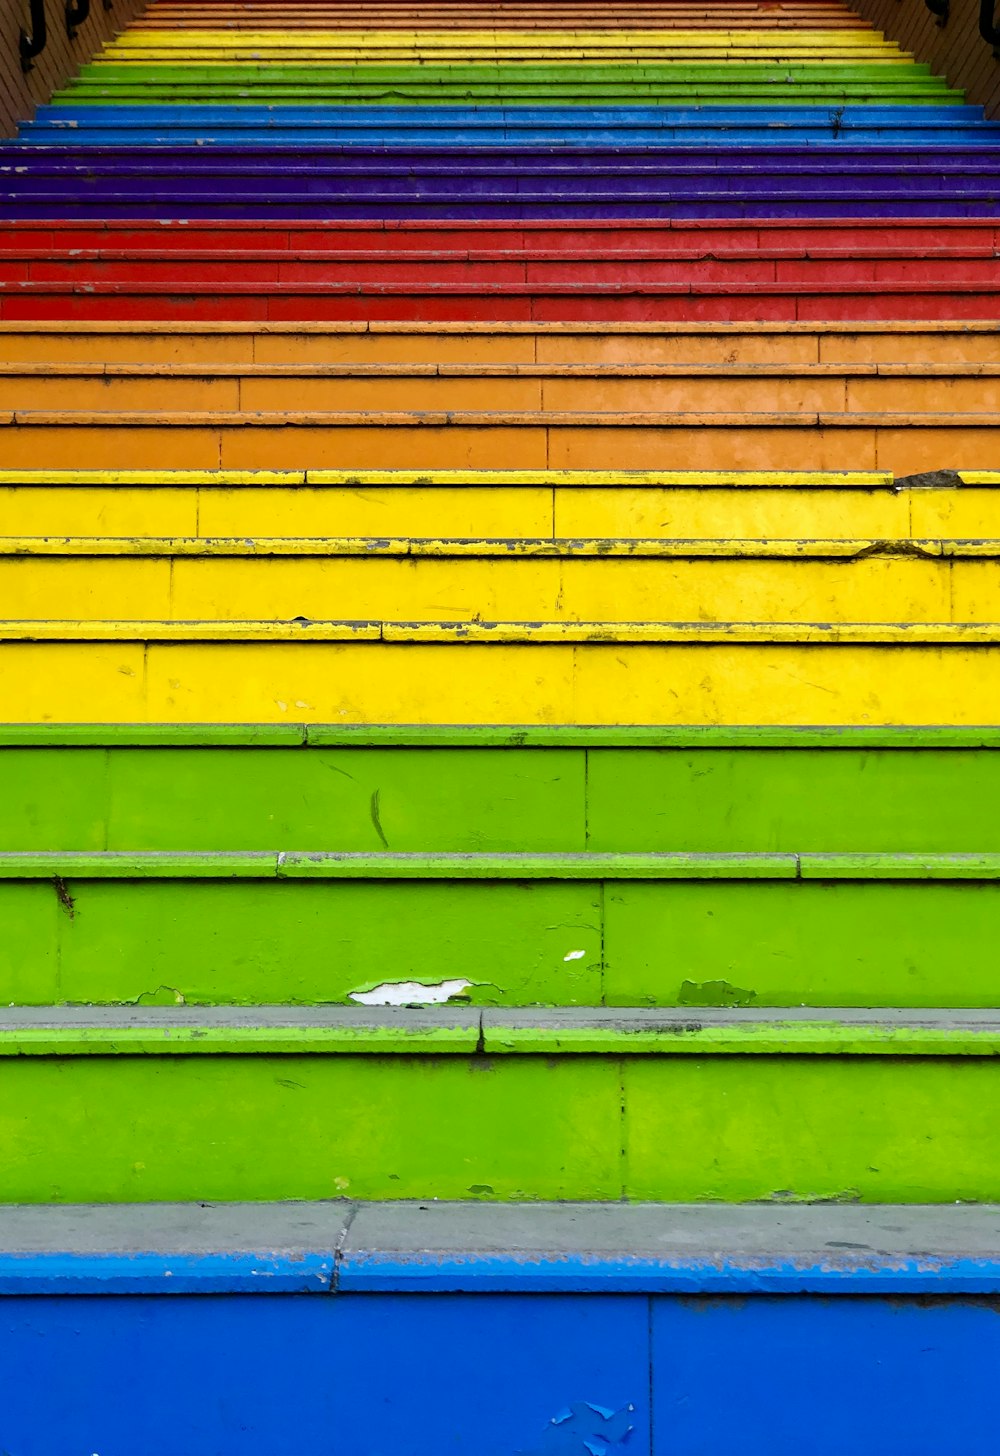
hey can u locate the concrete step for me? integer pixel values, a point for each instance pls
(510, 288)
(194, 579)
(448, 439)
(498, 182)
(515, 929)
(692, 1284)
(473, 16)
(822, 238)
(372, 46)
(289, 1102)
(506, 673)
(491, 790)
(210, 345)
(619, 396)
(250, 125)
(657, 505)
(754, 271)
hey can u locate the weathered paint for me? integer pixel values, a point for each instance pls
(374, 1368)
(215, 938)
(465, 790)
(516, 1364)
(461, 674)
(935, 582)
(870, 1128)
(342, 1246)
(508, 504)
(207, 935)
(407, 1031)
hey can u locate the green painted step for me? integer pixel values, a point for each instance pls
(481, 790)
(541, 92)
(153, 1106)
(736, 82)
(515, 930)
(675, 73)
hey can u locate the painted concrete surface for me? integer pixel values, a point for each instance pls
(343, 1246)
(509, 1375)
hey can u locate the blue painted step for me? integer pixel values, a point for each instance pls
(555, 1330)
(497, 126)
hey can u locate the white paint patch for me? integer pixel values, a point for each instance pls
(410, 993)
(575, 955)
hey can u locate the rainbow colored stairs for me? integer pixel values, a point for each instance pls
(500, 833)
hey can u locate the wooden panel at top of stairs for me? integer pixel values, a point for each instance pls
(61, 58)
(955, 50)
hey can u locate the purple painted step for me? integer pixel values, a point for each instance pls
(365, 182)
(897, 162)
(177, 205)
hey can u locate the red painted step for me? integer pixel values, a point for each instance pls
(338, 236)
(462, 272)
(196, 268)
(710, 303)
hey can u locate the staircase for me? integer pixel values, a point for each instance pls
(501, 802)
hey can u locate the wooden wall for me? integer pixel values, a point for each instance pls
(957, 50)
(19, 93)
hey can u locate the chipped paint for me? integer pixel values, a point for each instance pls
(585, 1429)
(410, 993)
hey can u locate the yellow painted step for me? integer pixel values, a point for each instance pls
(601, 390)
(450, 440)
(448, 581)
(191, 42)
(496, 504)
(773, 675)
(389, 53)
(211, 345)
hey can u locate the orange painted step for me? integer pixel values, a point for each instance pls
(602, 392)
(206, 346)
(898, 441)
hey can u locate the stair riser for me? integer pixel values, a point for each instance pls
(620, 398)
(175, 274)
(631, 799)
(597, 589)
(498, 512)
(877, 306)
(64, 114)
(95, 202)
(592, 93)
(749, 443)
(496, 344)
(888, 1364)
(55, 134)
(741, 1128)
(638, 168)
(837, 237)
(394, 682)
(663, 943)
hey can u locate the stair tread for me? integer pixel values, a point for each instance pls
(508, 865)
(460, 633)
(343, 1245)
(464, 548)
(567, 1031)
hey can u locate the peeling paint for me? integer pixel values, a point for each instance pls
(574, 955)
(585, 1429)
(161, 996)
(410, 993)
